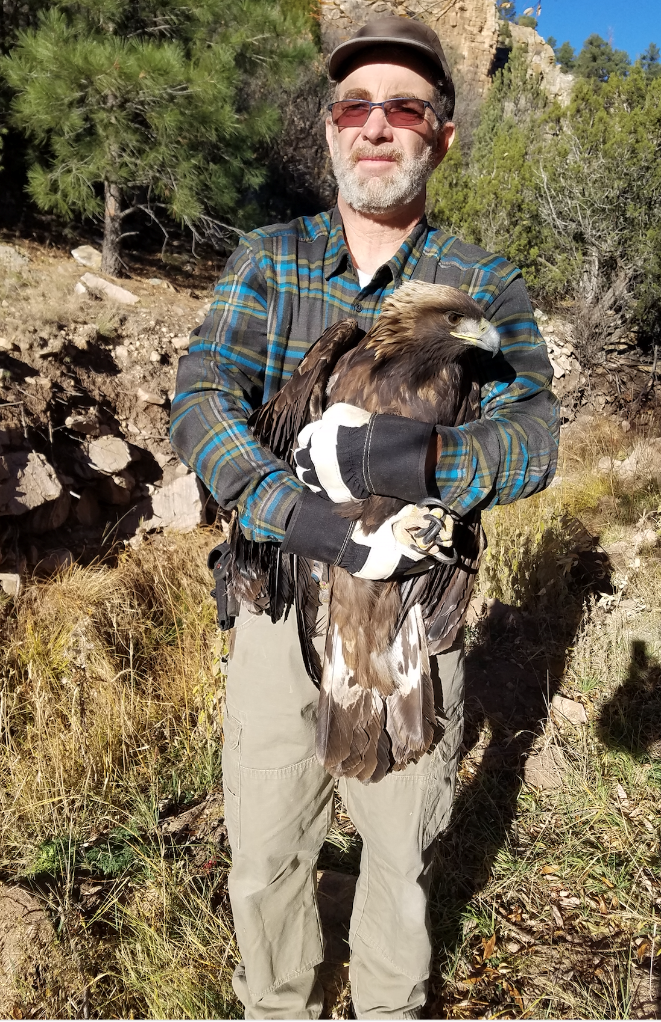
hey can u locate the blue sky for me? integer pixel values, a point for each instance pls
(630, 26)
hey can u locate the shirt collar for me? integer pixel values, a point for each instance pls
(400, 266)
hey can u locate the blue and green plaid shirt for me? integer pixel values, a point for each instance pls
(282, 287)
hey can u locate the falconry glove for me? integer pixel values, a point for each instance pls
(349, 454)
(406, 543)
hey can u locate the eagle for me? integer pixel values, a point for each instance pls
(420, 359)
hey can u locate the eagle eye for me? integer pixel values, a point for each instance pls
(453, 318)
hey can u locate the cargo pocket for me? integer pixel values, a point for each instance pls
(442, 778)
(232, 778)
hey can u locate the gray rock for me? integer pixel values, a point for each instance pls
(181, 343)
(114, 291)
(86, 255)
(84, 422)
(109, 455)
(545, 769)
(26, 481)
(10, 583)
(50, 515)
(11, 259)
(149, 397)
(569, 709)
(178, 506)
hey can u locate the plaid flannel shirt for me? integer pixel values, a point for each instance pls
(282, 287)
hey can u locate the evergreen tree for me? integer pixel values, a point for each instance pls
(599, 60)
(650, 61)
(552, 42)
(565, 56)
(150, 105)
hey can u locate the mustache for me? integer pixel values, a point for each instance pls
(384, 152)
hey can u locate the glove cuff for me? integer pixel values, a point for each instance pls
(315, 531)
(395, 457)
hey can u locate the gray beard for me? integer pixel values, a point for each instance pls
(382, 194)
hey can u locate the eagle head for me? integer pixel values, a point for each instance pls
(435, 315)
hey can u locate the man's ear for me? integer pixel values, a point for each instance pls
(444, 140)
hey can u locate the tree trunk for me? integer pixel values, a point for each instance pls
(111, 258)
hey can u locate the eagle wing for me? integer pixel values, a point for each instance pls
(301, 400)
(261, 574)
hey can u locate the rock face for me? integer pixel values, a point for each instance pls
(468, 29)
(26, 481)
(541, 60)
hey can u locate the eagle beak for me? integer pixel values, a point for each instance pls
(481, 334)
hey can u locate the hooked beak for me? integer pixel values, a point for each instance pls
(481, 334)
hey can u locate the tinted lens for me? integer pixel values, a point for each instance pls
(350, 113)
(403, 113)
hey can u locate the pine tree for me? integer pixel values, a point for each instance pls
(150, 105)
(650, 61)
(599, 60)
(565, 56)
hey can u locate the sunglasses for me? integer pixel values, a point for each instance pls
(399, 113)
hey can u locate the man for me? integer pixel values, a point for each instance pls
(388, 127)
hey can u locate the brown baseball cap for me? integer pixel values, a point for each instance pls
(396, 31)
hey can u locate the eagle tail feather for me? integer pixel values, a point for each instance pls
(410, 713)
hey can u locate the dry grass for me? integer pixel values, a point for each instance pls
(545, 902)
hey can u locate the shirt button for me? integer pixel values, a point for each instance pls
(357, 307)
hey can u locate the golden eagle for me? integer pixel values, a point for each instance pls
(376, 705)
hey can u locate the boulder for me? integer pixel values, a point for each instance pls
(27, 481)
(87, 255)
(178, 506)
(109, 455)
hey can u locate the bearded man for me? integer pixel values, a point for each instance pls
(388, 127)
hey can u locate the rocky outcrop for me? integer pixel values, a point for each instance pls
(541, 61)
(85, 459)
(468, 29)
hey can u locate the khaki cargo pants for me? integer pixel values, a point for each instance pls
(279, 808)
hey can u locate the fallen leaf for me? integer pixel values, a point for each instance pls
(603, 907)
(547, 870)
(557, 915)
(489, 946)
(608, 883)
(615, 903)
(642, 950)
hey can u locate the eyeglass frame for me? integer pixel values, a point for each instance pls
(371, 105)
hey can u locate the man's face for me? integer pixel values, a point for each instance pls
(379, 168)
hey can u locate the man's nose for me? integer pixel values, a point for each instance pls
(376, 126)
